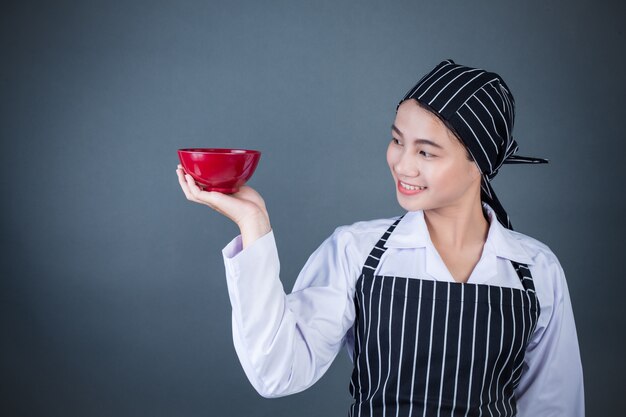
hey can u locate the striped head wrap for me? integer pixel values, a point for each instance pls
(480, 108)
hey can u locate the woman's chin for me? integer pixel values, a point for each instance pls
(409, 205)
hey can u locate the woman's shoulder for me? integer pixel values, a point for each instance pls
(549, 278)
(373, 227)
(548, 273)
(360, 236)
(535, 248)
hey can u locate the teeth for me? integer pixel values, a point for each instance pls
(411, 187)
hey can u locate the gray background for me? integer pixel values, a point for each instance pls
(113, 298)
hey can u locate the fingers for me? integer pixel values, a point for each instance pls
(183, 183)
(194, 193)
(189, 186)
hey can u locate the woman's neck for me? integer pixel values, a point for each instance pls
(457, 227)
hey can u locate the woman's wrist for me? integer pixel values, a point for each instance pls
(253, 228)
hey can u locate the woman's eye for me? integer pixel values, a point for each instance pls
(394, 140)
(426, 154)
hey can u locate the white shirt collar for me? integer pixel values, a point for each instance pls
(412, 232)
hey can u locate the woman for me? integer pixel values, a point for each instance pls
(444, 310)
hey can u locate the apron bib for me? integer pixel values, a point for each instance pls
(433, 348)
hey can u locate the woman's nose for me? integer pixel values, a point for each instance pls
(406, 165)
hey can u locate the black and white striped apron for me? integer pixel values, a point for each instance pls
(434, 348)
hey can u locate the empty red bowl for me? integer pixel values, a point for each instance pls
(219, 169)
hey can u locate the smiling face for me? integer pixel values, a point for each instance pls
(431, 163)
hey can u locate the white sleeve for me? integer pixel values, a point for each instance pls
(285, 343)
(552, 379)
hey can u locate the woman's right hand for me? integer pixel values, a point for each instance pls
(246, 207)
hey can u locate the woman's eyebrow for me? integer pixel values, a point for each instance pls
(419, 141)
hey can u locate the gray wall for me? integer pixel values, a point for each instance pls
(113, 298)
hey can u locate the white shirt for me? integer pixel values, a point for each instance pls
(285, 342)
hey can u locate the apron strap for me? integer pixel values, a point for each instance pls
(377, 252)
(523, 272)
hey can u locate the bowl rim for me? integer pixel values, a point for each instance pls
(220, 151)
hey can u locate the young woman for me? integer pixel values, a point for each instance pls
(445, 310)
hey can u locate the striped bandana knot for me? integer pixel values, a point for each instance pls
(481, 109)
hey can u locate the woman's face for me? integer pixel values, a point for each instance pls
(425, 156)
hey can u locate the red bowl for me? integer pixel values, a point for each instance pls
(219, 169)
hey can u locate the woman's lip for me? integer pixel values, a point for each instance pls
(408, 183)
(408, 192)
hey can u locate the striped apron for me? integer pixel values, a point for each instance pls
(434, 348)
